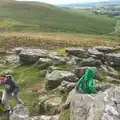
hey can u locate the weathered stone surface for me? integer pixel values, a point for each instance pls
(82, 106)
(43, 63)
(12, 59)
(44, 60)
(66, 105)
(74, 60)
(79, 52)
(79, 71)
(105, 49)
(112, 80)
(66, 86)
(104, 68)
(48, 104)
(20, 112)
(113, 59)
(44, 117)
(96, 53)
(43, 73)
(55, 54)
(109, 71)
(86, 107)
(55, 78)
(90, 62)
(53, 105)
(17, 50)
(58, 59)
(103, 86)
(28, 56)
(113, 75)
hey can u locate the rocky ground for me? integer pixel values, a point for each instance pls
(60, 73)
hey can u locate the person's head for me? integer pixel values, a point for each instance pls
(3, 77)
(90, 72)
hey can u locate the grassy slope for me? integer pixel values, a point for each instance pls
(33, 16)
(116, 35)
(53, 40)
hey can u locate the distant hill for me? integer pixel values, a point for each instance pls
(87, 4)
(37, 17)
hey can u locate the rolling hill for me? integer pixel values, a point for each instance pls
(41, 17)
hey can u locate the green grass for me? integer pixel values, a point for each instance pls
(65, 115)
(37, 17)
(116, 35)
(30, 99)
(4, 23)
(60, 51)
(117, 69)
(26, 76)
(63, 67)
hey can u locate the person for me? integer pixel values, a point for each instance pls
(85, 83)
(11, 89)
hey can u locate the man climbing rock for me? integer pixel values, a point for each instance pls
(11, 89)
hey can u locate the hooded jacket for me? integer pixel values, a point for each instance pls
(11, 84)
(86, 82)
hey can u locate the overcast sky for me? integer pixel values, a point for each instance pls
(63, 1)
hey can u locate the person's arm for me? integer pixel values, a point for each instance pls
(10, 77)
(91, 87)
(78, 83)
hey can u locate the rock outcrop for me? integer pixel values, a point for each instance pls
(55, 78)
(103, 106)
(96, 54)
(48, 104)
(78, 52)
(28, 56)
(66, 86)
(106, 49)
(113, 59)
(20, 112)
(90, 62)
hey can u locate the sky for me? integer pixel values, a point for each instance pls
(64, 1)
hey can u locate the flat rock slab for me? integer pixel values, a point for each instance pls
(32, 55)
(54, 79)
(44, 117)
